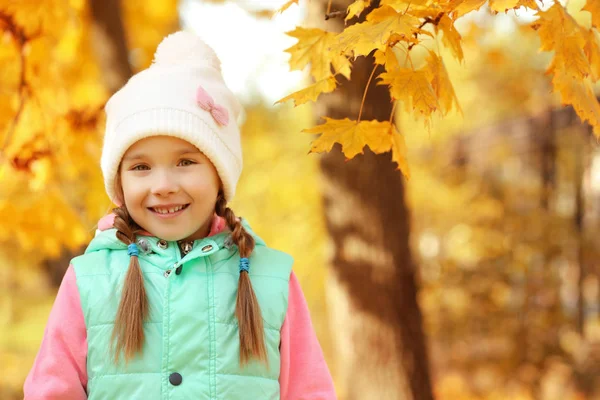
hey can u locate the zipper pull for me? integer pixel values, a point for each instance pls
(167, 273)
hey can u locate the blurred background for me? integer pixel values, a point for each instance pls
(478, 278)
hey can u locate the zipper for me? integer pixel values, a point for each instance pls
(212, 368)
(177, 256)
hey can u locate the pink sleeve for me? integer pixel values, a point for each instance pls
(59, 370)
(304, 373)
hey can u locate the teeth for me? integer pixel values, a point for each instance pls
(168, 210)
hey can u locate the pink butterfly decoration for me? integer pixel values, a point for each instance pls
(206, 102)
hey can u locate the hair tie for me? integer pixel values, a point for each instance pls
(244, 265)
(132, 250)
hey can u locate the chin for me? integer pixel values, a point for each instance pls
(171, 237)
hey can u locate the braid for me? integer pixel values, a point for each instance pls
(128, 331)
(240, 237)
(247, 310)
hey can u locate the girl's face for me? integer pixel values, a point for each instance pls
(169, 188)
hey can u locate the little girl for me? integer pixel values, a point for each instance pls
(175, 297)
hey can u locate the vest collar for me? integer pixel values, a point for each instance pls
(107, 239)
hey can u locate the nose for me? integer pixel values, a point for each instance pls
(164, 184)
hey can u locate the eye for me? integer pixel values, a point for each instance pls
(186, 162)
(140, 167)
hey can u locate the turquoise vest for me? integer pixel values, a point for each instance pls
(191, 348)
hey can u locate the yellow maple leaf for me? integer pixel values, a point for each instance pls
(579, 94)
(560, 33)
(554, 25)
(499, 6)
(381, 137)
(286, 6)
(451, 38)
(312, 92)
(460, 8)
(381, 23)
(593, 6)
(571, 57)
(387, 58)
(441, 83)
(356, 8)
(592, 52)
(403, 5)
(314, 47)
(413, 88)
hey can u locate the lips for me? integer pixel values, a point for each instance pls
(168, 209)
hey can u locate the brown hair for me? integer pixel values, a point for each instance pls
(128, 332)
(133, 309)
(247, 310)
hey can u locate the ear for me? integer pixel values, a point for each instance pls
(118, 190)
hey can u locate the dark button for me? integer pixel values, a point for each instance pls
(175, 379)
(186, 248)
(178, 270)
(163, 244)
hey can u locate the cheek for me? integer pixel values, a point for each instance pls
(204, 190)
(131, 190)
(206, 184)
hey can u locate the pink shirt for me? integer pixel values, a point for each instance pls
(59, 370)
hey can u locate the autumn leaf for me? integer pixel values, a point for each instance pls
(262, 14)
(413, 88)
(553, 25)
(592, 52)
(356, 8)
(574, 51)
(560, 33)
(381, 137)
(314, 47)
(403, 5)
(386, 58)
(286, 6)
(451, 38)
(465, 7)
(593, 6)
(312, 92)
(571, 57)
(441, 83)
(373, 34)
(502, 6)
(579, 94)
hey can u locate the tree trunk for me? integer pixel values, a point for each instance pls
(110, 46)
(372, 292)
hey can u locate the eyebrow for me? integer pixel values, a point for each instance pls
(182, 151)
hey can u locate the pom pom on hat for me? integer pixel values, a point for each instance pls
(183, 47)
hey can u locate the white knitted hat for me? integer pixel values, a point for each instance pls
(182, 94)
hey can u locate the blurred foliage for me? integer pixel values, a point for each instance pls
(494, 202)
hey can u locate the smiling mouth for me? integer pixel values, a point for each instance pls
(168, 210)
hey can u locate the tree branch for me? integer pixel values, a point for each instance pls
(426, 21)
(335, 14)
(17, 32)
